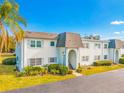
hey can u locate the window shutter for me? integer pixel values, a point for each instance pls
(28, 43)
(48, 60)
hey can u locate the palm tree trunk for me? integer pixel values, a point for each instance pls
(1, 36)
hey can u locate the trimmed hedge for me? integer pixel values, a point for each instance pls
(57, 69)
(103, 63)
(121, 60)
(9, 61)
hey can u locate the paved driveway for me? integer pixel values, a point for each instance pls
(108, 82)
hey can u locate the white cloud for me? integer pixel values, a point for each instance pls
(122, 32)
(117, 22)
(117, 33)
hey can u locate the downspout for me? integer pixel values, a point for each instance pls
(102, 51)
(23, 54)
(65, 57)
(79, 57)
(113, 56)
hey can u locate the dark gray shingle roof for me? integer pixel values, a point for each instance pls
(69, 40)
(115, 43)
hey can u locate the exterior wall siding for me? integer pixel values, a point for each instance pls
(45, 52)
(24, 52)
(91, 52)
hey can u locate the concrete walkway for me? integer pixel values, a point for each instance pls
(108, 82)
(76, 74)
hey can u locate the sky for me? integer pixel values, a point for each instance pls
(86, 17)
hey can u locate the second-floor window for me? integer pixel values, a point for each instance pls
(38, 43)
(35, 43)
(105, 46)
(97, 46)
(52, 43)
(86, 45)
(32, 43)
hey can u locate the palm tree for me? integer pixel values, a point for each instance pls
(10, 21)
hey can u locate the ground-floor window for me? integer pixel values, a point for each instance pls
(105, 56)
(97, 57)
(85, 58)
(52, 59)
(35, 61)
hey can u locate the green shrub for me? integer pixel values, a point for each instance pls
(57, 72)
(20, 74)
(9, 61)
(103, 63)
(121, 60)
(58, 69)
(54, 71)
(70, 72)
(53, 66)
(31, 71)
(45, 71)
(34, 73)
(46, 66)
(63, 70)
(122, 55)
(79, 70)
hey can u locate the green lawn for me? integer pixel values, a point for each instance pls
(8, 80)
(98, 69)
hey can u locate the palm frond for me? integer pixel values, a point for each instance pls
(10, 18)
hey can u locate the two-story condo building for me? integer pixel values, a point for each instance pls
(69, 49)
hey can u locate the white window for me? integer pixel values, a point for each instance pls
(35, 43)
(35, 61)
(32, 62)
(52, 43)
(32, 43)
(97, 57)
(38, 61)
(105, 46)
(86, 45)
(105, 56)
(85, 58)
(97, 46)
(52, 60)
(38, 44)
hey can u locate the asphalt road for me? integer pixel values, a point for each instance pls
(108, 82)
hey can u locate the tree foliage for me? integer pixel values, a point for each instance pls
(10, 22)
